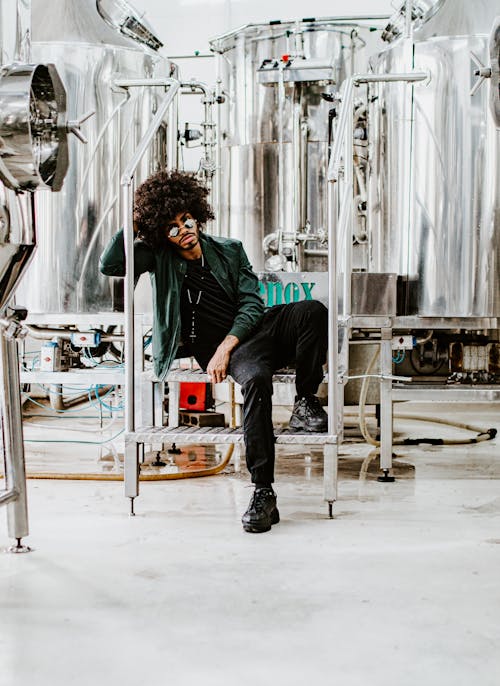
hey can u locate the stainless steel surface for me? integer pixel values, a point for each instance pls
(46, 333)
(17, 240)
(274, 134)
(443, 393)
(127, 199)
(121, 15)
(15, 26)
(33, 131)
(409, 16)
(32, 127)
(188, 434)
(83, 377)
(76, 224)
(12, 443)
(386, 413)
(495, 71)
(442, 234)
(457, 18)
(373, 293)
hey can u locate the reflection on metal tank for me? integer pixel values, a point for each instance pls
(441, 233)
(282, 80)
(15, 31)
(91, 45)
(33, 153)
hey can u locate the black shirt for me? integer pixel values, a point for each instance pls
(207, 312)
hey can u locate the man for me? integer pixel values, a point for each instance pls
(206, 299)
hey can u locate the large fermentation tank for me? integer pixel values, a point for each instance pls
(33, 153)
(93, 44)
(435, 162)
(282, 79)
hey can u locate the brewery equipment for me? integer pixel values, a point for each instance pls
(433, 200)
(282, 81)
(94, 45)
(33, 154)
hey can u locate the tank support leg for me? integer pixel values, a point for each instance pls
(132, 512)
(386, 418)
(330, 474)
(13, 445)
(18, 547)
(131, 471)
(386, 478)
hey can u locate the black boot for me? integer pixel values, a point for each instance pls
(262, 511)
(308, 415)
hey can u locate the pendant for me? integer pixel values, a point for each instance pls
(192, 335)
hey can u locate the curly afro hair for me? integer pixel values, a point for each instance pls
(161, 197)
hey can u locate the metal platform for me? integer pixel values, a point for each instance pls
(446, 392)
(199, 376)
(84, 377)
(209, 434)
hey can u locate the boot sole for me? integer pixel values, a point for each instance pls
(307, 430)
(255, 529)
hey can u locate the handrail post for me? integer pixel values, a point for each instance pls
(127, 197)
(339, 220)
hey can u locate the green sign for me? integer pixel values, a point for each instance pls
(278, 293)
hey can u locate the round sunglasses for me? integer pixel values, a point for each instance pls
(174, 229)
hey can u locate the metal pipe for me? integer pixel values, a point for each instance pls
(137, 83)
(173, 125)
(153, 127)
(351, 20)
(346, 234)
(315, 252)
(346, 110)
(217, 187)
(408, 20)
(8, 496)
(333, 323)
(13, 443)
(207, 164)
(127, 222)
(281, 157)
(45, 333)
(297, 172)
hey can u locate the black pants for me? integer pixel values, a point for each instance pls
(294, 334)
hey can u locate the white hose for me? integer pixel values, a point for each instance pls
(482, 434)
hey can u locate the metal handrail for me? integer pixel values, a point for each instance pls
(339, 220)
(127, 196)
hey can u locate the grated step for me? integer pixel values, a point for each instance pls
(199, 376)
(210, 434)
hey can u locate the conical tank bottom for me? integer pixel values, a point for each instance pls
(13, 261)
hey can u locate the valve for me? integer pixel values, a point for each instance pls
(492, 72)
(482, 71)
(74, 125)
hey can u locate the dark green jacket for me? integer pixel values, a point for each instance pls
(228, 263)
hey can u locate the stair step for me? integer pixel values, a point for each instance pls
(210, 434)
(199, 376)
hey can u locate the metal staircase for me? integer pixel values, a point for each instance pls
(137, 436)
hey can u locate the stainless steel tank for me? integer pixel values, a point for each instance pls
(93, 45)
(33, 153)
(282, 80)
(438, 227)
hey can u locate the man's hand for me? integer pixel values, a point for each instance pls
(217, 367)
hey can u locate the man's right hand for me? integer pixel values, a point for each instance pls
(217, 367)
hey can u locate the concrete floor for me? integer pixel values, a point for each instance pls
(401, 588)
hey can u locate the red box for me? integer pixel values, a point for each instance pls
(195, 396)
